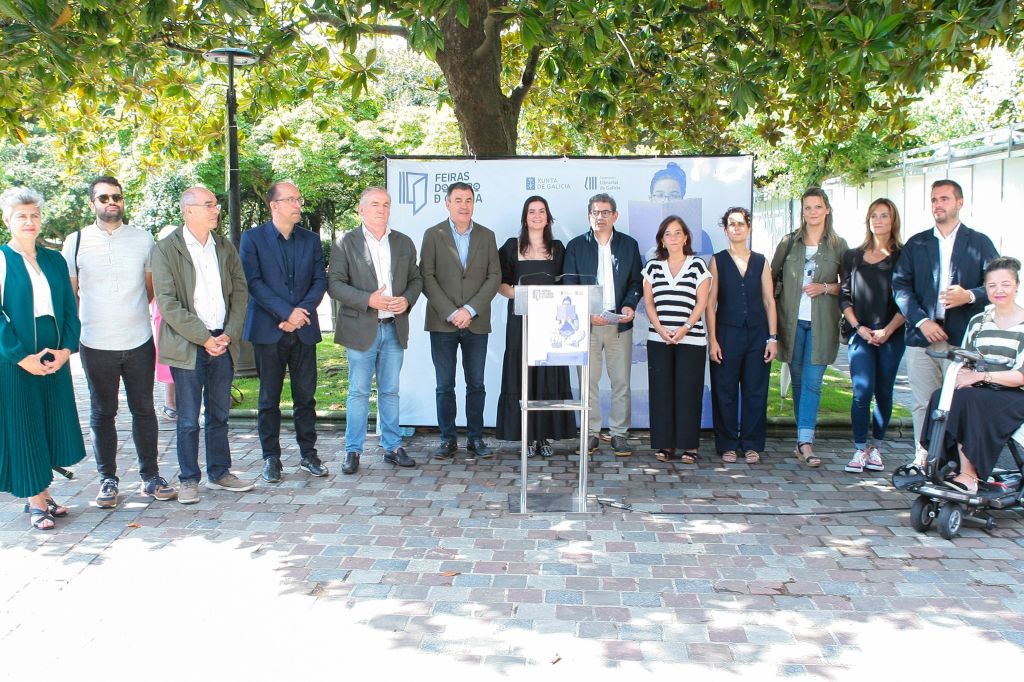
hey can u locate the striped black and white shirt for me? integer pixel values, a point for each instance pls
(675, 297)
(986, 337)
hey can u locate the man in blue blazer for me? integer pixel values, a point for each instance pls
(284, 267)
(939, 285)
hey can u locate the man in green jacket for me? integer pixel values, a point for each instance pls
(201, 292)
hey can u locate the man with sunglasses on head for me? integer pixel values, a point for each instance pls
(109, 264)
(284, 266)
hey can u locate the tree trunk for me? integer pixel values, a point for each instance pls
(471, 64)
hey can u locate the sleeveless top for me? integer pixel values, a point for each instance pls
(740, 303)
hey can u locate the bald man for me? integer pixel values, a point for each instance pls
(201, 293)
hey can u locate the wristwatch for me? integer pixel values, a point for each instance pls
(688, 326)
(772, 338)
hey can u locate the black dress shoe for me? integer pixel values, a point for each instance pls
(314, 466)
(399, 458)
(480, 449)
(350, 464)
(446, 450)
(272, 470)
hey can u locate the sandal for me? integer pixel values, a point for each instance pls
(962, 487)
(729, 457)
(53, 508)
(688, 457)
(810, 460)
(41, 519)
(752, 456)
(665, 455)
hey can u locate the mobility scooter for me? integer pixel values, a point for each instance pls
(940, 503)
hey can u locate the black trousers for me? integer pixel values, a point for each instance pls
(739, 390)
(676, 382)
(299, 359)
(104, 372)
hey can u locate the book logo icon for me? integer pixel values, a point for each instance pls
(412, 190)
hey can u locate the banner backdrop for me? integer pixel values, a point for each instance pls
(700, 189)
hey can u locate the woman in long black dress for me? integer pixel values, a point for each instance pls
(532, 258)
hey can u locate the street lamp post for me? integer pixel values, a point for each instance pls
(232, 56)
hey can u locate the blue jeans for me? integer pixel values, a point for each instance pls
(873, 372)
(444, 348)
(807, 378)
(209, 381)
(384, 358)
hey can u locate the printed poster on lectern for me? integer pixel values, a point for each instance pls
(559, 326)
(646, 190)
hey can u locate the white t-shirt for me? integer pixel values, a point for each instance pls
(810, 266)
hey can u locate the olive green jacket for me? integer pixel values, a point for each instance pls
(824, 309)
(174, 287)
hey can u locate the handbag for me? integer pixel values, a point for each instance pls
(777, 276)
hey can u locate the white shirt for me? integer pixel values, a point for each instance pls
(208, 298)
(945, 266)
(606, 274)
(810, 265)
(380, 256)
(111, 270)
(42, 301)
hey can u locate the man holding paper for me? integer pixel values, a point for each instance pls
(610, 259)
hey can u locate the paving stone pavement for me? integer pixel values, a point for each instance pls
(425, 571)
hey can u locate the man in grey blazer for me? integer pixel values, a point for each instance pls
(461, 274)
(373, 275)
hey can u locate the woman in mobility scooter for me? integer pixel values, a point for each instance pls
(982, 417)
(978, 411)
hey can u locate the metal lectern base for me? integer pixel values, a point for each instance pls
(543, 503)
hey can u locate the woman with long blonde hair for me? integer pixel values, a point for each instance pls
(808, 262)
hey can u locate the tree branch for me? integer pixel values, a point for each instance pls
(338, 22)
(492, 32)
(526, 82)
(169, 42)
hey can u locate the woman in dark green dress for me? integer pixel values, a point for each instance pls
(39, 330)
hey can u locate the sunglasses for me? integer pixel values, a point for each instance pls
(107, 198)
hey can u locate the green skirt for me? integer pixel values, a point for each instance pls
(39, 426)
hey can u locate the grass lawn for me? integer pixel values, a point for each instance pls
(836, 396)
(332, 388)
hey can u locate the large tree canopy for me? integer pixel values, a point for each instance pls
(666, 74)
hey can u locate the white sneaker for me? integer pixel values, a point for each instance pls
(874, 461)
(856, 465)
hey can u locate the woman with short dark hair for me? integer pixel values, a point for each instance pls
(742, 342)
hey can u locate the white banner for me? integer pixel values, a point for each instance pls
(700, 189)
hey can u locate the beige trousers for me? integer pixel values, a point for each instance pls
(612, 349)
(925, 374)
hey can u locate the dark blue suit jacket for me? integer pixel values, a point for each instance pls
(580, 267)
(915, 281)
(270, 300)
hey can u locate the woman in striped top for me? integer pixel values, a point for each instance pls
(982, 417)
(676, 286)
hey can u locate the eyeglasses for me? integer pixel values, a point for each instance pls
(667, 196)
(209, 205)
(603, 213)
(107, 198)
(298, 201)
